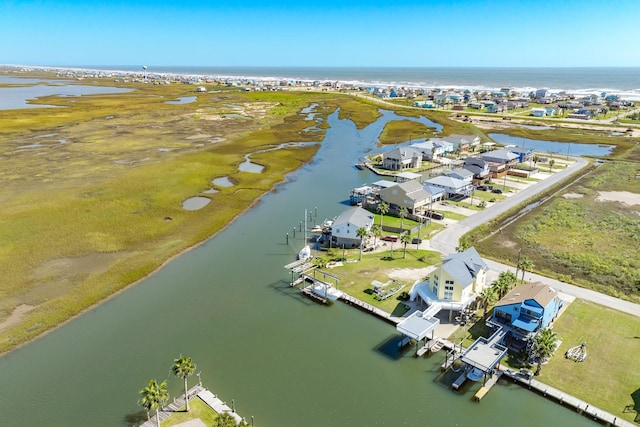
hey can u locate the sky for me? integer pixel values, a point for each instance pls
(424, 33)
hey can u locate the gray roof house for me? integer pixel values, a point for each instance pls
(456, 283)
(462, 142)
(402, 158)
(410, 194)
(453, 186)
(479, 167)
(500, 156)
(461, 174)
(345, 226)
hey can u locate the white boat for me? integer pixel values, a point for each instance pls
(316, 229)
(305, 253)
(325, 290)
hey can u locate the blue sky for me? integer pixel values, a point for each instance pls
(332, 33)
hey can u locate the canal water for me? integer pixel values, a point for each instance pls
(283, 359)
(554, 147)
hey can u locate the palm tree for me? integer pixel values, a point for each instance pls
(154, 396)
(544, 344)
(551, 163)
(463, 245)
(225, 420)
(183, 368)
(402, 213)
(486, 298)
(505, 282)
(405, 239)
(361, 233)
(383, 209)
(377, 232)
(525, 265)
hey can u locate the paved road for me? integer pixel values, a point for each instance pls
(447, 240)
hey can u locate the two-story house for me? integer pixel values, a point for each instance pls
(525, 310)
(456, 283)
(344, 230)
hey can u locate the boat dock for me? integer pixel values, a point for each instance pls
(563, 398)
(487, 386)
(431, 346)
(348, 299)
(204, 394)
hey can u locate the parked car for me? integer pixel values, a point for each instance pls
(496, 191)
(482, 188)
(416, 241)
(390, 238)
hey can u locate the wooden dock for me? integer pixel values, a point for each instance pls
(563, 398)
(309, 292)
(431, 346)
(348, 299)
(487, 386)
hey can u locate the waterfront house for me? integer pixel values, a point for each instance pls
(454, 188)
(462, 142)
(479, 167)
(430, 149)
(525, 310)
(408, 194)
(500, 156)
(402, 158)
(345, 227)
(462, 174)
(456, 283)
(524, 154)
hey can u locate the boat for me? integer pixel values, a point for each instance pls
(325, 290)
(316, 229)
(475, 374)
(305, 253)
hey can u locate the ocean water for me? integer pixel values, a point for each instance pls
(623, 81)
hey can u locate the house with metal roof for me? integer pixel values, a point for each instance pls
(402, 158)
(461, 174)
(462, 142)
(525, 310)
(456, 283)
(345, 226)
(408, 194)
(452, 186)
(500, 156)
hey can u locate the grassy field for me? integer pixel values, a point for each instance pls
(579, 237)
(396, 131)
(609, 375)
(356, 277)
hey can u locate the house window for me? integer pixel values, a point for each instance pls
(448, 295)
(435, 289)
(448, 287)
(448, 282)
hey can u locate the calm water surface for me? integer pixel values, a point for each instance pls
(283, 359)
(554, 147)
(14, 98)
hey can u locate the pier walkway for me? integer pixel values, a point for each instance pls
(566, 399)
(198, 390)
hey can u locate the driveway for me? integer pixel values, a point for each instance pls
(447, 240)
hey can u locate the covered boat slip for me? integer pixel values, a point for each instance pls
(420, 324)
(485, 353)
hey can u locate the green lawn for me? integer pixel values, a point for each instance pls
(610, 374)
(197, 409)
(356, 277)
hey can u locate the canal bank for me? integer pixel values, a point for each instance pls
(282, 358)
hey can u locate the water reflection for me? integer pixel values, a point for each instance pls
(554, 147)
(15, 98)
